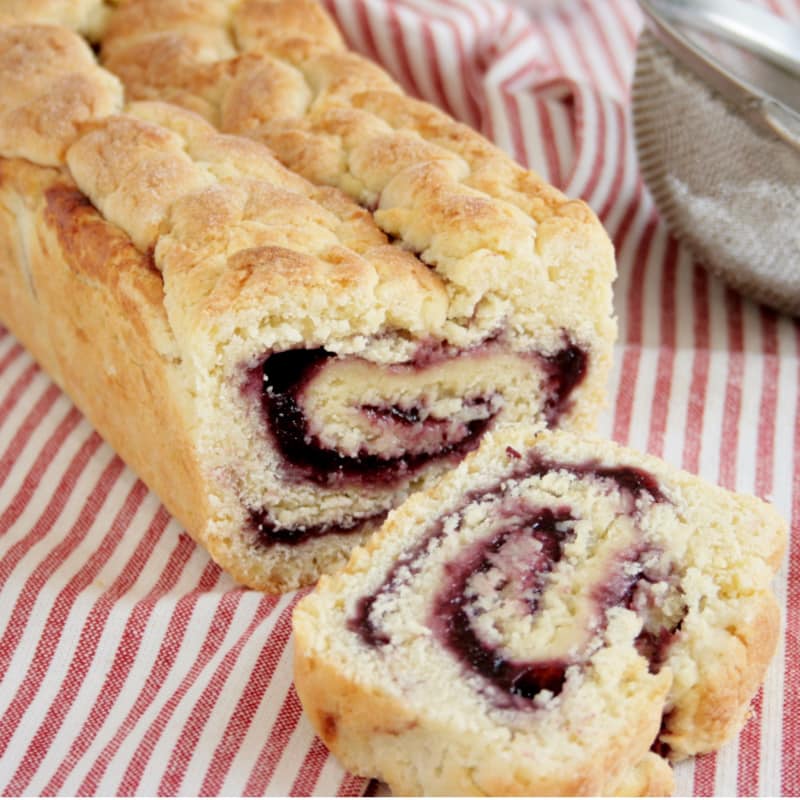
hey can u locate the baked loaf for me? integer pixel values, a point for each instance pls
(556, 616)
(276, 363)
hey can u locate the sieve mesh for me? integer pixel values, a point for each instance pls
(727, 187)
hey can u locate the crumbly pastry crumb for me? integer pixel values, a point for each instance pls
(556, 616)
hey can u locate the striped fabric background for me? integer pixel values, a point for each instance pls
(130, 665)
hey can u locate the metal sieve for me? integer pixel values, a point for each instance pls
(716, 114)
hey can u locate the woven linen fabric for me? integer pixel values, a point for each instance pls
(129, 664)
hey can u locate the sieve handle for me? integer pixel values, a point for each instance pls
(783, 123)
(742, 23)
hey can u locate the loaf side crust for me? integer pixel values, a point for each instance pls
(89, 308)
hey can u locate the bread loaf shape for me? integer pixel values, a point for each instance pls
(276, 366)
(555, 616)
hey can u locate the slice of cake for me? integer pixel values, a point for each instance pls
(556, 616)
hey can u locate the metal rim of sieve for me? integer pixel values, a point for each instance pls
(753, 29)
(773, 284)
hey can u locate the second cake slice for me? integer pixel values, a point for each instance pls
(556, 616)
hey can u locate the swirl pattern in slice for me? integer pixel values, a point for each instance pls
(539, 620)
(341, 423)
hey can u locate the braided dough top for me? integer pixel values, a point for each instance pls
(50, 86)
(277, 71)
(235, 232)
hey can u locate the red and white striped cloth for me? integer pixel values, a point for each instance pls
(130, 665)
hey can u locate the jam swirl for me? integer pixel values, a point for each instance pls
(510, 569)
(282, 378)
(286, 374)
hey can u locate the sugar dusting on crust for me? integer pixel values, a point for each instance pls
(51, 87)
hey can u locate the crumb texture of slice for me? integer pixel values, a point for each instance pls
(556, 616)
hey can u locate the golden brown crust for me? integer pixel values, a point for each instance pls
(265, 24)
(20, 191)
(133, 171)
(90, 311)
(312, 104)
(716, 708)
(234, 231)
(291, 81)
(651, 777)
(51, 86)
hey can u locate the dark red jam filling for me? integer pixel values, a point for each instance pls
(564, 371)
(280, 380)
(521, 554)
(284, 377)
(631, 481)
(453, 615)
(268, 533)
(404, 416)
(659, 746)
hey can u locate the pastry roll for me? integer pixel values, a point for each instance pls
(278, 367)
(555, 616)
